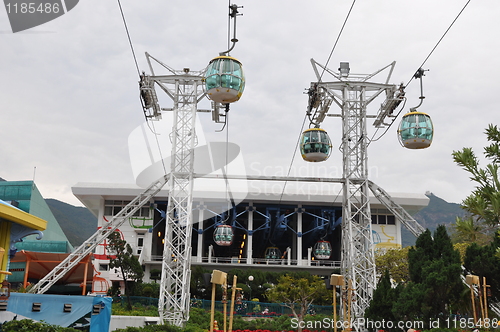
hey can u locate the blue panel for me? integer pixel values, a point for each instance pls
(100, 322)
(52, 309)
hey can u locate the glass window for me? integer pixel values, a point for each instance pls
(391, 220)
(307, 137)
(112, 208)
(235, 83)
(314, 136)
(213, 68)
(227, 66)
(116, 210)
(237, 70)
(211, 82)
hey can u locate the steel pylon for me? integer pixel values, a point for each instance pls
(185, 88)
(353, 93)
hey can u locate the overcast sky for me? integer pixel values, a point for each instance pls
(69, 93)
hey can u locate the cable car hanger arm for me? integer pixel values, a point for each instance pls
(419, 74)
(232, 14)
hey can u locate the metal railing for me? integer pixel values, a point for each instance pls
(254, 261)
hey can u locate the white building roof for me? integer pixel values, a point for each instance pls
(305, 191)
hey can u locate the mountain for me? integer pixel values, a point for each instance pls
(438, 212)
(78, 223)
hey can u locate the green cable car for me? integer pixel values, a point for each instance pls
(416, 130)
(224, 80)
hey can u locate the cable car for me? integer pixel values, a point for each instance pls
(322, 250)
(223, 235)
(416, 130)
(272, 253)
(315, 145)
(224, 80)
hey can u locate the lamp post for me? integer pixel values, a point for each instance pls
(250, 279)
(336, 280)
(472, 280)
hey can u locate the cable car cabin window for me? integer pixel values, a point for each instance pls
(230, 81)
(213, 68)
(212, 82)
(237, 69)
(408, 127)
(416, 125)
(425, 127)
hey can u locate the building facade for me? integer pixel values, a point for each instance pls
(273, 228)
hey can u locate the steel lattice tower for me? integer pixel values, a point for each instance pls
(353, 93)
(185, 88)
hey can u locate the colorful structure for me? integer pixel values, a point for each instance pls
(37, 252)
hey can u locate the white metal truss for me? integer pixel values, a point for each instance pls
(185, 88)
(401, 214)
(353, 93)
(100, 235)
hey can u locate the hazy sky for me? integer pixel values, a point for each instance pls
(69, 95)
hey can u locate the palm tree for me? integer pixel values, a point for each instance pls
(469, 231)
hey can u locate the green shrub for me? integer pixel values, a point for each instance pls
(120, 309)
(32, 326)
(152, 328)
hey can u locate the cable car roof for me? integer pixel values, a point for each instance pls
(225, 57)
(314, 129)
(415, 112)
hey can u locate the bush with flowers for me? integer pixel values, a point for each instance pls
(200, 322)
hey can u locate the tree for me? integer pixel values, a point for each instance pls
(484, 201)
(435, 268)
(410, 305)
(382, 301)
(467, 230)
(395, 261)
(121, 257)
(298, 294)
(484, 261)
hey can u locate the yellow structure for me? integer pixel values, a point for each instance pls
(8, 215)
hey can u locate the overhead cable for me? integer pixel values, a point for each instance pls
(129, 39)
(337, 40)
(440, 39)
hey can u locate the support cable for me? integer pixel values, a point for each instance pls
(159, 148)
(153, 130)
(129, 39)
(308, 115)
(293, 158)
(423, 63)
(440, 39)
(336, 41)
(314, 91)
